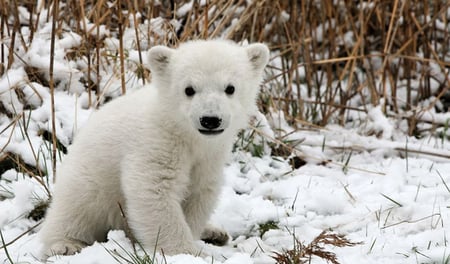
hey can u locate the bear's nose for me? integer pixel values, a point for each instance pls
(210, 122)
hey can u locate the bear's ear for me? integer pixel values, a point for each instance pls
(258, 55)
(158, 58)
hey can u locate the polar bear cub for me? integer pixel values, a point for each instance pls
(157, 153)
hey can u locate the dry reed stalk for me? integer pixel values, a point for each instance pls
(52, 84)
(98, 20)
(133, 6)
(3, 19)
(82, 23)
(121, 53)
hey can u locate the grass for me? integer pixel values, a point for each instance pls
(269, 225)
(392, 200)
(446, 258)
(443, 181)
(304, 253)
(133, 257)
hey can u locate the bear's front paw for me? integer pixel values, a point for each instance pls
(186, 248)
(215, 236)
(65, 247)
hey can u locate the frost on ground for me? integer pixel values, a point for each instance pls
(366, 180)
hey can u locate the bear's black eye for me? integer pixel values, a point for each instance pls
(189, 91)
(229, 90)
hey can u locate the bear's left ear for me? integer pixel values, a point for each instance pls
(258, 55)
(159, 58)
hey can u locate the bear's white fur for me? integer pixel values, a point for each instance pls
(158, 152)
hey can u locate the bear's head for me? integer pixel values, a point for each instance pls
(213, 83)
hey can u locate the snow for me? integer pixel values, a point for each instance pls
(397, 207)
(368, 181)
(378, 123)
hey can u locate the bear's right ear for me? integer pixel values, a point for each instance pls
(158, 58)
(258, 55)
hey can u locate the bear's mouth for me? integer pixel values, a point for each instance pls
(210, 131)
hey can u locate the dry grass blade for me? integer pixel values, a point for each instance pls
(302, 254)
(6, 244)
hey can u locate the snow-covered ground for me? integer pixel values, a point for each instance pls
(399, 207)
(368, 181)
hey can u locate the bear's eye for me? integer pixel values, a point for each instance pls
(189, 91)
(229, 90)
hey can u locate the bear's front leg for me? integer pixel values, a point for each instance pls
(199, 205)
(153, 194)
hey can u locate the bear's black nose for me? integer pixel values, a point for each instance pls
(210, 122)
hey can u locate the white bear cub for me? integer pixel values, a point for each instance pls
(158, 153)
